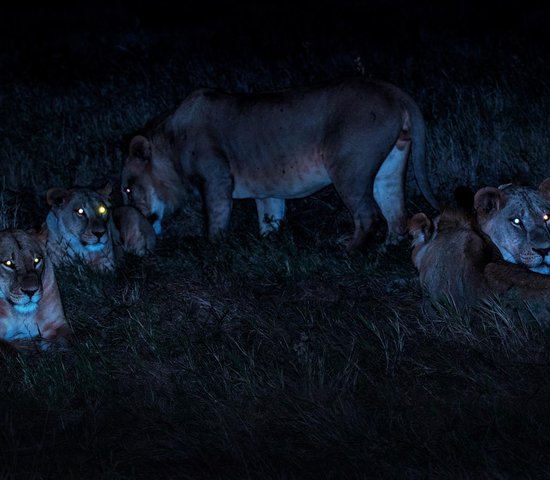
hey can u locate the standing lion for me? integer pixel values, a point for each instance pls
(355, 134)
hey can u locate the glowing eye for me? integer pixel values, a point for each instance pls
(9, 264)
(102, 210)
(37, 260)
(79, 211)
(127, 190)
(545, 217)
(516, 221)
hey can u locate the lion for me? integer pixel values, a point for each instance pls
(82, 225)
(517, 219)
(79, 227)
(356, 135)
(133, 232)
(451, 256)
(458, 261)
(30, 304)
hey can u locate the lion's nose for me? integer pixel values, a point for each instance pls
(542, 251)
(99, 234)
(29, 291)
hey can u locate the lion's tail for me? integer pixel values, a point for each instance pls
(418, 154)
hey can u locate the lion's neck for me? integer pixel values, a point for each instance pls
(168, 185)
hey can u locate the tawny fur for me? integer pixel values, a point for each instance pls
(75, 229)
(123, 229)
(356, 135)
(26, 268)
(451, 257)
(457, 261)
(517, 219)
(133, 231)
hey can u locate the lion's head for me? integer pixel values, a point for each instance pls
(79, 225)
(134, 233)
(30, 304)
(517, 219)
(451, 255)
(149, 181)
(22, 265)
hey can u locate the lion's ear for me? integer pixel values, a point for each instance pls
(57, 196)
(544, 188)
(488, 200)
(420, 228)
(106, 190)
(140, 147)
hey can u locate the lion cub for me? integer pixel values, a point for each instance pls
(82, 225)
(451, 257)
(30, 305)
(132, 230)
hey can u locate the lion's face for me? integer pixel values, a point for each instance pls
(22, 265)
(82, 217)
(139, 185)
(517, 219)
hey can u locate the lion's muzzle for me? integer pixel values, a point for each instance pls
(26, 296)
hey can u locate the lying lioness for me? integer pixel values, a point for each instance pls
(517, 219)
(286, 144)
(455, 259)
(30, 305)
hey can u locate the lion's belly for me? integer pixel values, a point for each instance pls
(285, 180)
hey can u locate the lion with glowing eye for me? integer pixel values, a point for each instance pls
(517, 220)
(81, 225)
(357, 135)
(455, 260)
(30, 305)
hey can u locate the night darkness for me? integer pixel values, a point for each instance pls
(280, 357)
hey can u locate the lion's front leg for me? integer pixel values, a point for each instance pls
(271, 212)
(217, 203)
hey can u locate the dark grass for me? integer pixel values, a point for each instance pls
(281, 357)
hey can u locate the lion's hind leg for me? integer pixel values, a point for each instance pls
(389, 192)
(357, 194)
(271, 212)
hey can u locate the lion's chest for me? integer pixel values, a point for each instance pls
(15, 326)
(283, 175)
